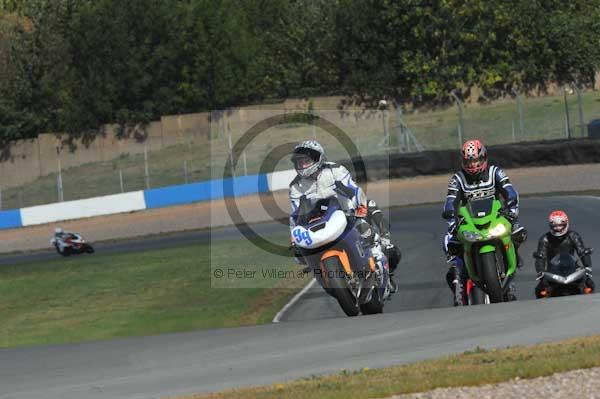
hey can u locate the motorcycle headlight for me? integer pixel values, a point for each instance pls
(497, 231)
(472, 236)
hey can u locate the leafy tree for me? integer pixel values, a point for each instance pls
(72, 65)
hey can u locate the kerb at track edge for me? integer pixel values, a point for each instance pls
(292, 301)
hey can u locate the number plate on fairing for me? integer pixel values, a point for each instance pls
(302, 236)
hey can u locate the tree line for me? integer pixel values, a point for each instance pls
(72, 65)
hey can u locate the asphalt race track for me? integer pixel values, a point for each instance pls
(417, 324)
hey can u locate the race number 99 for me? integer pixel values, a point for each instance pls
(302, 236)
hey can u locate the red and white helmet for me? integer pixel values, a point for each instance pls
(474, 157)
(559, 223)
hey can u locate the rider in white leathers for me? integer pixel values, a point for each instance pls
(319, 179)
(59, 236)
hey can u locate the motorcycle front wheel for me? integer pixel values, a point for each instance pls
(64, 252)
(478, 296)
(491, 279)
(338, 284)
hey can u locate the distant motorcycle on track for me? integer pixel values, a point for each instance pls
(68, 243)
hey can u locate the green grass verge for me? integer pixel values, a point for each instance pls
(473, 368)
(93, 297)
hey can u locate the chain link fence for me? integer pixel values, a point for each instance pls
(374, 132)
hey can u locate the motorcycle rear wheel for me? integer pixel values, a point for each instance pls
(374, 306)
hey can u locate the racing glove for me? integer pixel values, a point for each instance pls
(361, 211)
(296, 254)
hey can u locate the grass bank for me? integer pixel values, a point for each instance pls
(93, 297)
(477, 367)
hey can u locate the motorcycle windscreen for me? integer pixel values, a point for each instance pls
(311, 210)
(563, 264)
(481, 207)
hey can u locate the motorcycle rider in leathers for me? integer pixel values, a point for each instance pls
(316, 179)
(560, 239)
(476, 179)
(60, 236)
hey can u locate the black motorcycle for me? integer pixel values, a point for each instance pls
(564, 276)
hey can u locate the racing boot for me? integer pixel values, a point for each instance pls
(511, 295)
(459, 292)
(519, 234)
(456, 285)
(391, 251)
(590, 287)
(376, 219)
(381, 260)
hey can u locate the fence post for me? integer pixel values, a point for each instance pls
(185, 171)
(146, 173)
(580, 106)
(402, 134)
(121, 180)
(312, 122)
(59, 182)
(567, 120)
(521, 118)
(513, 131)
(245, 163)
(461, 122)
(230, 144)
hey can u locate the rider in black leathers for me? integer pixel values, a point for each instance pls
(560, 239)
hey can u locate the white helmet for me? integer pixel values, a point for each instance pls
(58, 230)
(308, 157)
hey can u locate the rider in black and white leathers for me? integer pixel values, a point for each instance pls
(328, 179)
(493, 182)
(60, 236)
(484, 182)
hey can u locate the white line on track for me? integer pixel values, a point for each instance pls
(295, 299)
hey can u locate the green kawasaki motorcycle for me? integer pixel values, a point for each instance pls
(489, 252)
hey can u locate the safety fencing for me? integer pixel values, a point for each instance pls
(182, 149)
(544, 153)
